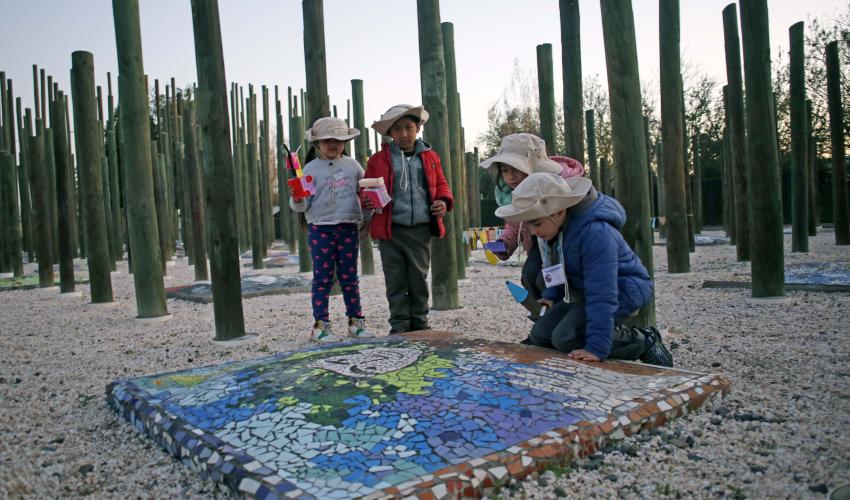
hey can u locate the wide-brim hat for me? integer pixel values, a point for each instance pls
(524, 152)
(394, 113)
(543, 194)
(331, 128)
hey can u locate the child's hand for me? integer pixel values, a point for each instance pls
(438, 208)
(367, 203)
(582, 355)
(545, 302)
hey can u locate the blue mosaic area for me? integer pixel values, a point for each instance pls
(353, 419)
(253, 285)
(818, 273)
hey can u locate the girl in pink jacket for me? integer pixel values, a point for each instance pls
(519, 156)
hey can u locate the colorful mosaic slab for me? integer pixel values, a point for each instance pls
(253, 285)
(809, 276)
(30, 281)
(429, 414)
(699, 240)
(271, 253)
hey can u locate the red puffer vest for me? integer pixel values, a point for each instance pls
(380, 165)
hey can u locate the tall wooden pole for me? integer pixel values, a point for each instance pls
(41, 210)
(765, 196)
(627, 133)
(455, 144)
(678, 259)
(254, 197)
(64, 193)
(546, 94)
(799, 165)
(737, 132)
(432, 75)
(571, 71)
(195, 203)
(811, 147)
(836, 136)
(212, 102)
(283, 216)
(89, 161)
(265, 168)
(114, 185)
(138, 165)
(729, 188)
(318, 105)
(592, 160)
(697, 181)
(367, 258)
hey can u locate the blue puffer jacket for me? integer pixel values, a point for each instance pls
(601, 265)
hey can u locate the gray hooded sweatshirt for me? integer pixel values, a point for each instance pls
(335, 200)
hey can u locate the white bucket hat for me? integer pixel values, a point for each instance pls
(331, 128)
(542, 194)
(524, 152)
(394, 113)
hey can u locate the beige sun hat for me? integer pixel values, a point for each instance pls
(542, 194)
(331, 128)
(394, 113)
(525, 152)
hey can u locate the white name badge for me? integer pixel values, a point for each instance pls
(554, 275)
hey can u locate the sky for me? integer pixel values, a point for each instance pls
(372, 40)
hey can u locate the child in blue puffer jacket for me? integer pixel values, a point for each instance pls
(594, 280)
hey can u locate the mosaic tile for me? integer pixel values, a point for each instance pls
(429, 414)
(253, 285)
(806, 276)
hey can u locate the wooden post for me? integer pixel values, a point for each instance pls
(265, 168)
(314, 62)
(662, 190)
(729, 188)
(114, 186)
(41, 210)
(432, 74)
(678, 259)
(605, 176)
(89, 161)
(697, 183)
(305, 263)
(811, 178)
(64, 193)
(194, 181)
(799, 165)
(546, 93)
(136, 156)
(571, 71)
(455, 146)
(836, 136)
(737, 132)
(689, 198)
(104, 178)
(257, 245)
(592, 160)
(283, 216)
(24, 185)
(219, 185)
(765, 196)
(627, 133)
(367, 258)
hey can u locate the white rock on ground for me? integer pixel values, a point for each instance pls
(782, 432)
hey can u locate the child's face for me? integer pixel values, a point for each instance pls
(403, 133)
(511, 176)
(547, 227)
(331, 148)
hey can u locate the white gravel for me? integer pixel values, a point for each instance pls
(782, 432)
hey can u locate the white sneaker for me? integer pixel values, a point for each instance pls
(322, 332)
(357, 328)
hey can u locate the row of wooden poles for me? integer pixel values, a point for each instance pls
(211, 164)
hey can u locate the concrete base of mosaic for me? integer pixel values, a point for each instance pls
(70, 295)
(767, 301)
(253, 285)
(809, 277)
(791, 287)
(428, 414)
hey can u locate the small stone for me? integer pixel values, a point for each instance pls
(697, 432)
(560, 492)
(679, 443)
(85, 469)
(819, 488)
(694, 457)
(690, 441)
(543, 481)
(611, 477)
(756, 469)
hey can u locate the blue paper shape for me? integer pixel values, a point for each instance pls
(497, 246)
(519, 293)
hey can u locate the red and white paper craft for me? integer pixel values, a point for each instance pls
(374, 189)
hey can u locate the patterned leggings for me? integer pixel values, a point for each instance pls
(334, 247)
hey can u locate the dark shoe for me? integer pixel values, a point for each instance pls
(656, 353)
(526, 341)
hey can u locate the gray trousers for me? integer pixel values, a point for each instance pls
(562, 328)
(406, 258)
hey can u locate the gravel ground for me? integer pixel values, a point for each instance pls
(782, 432)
